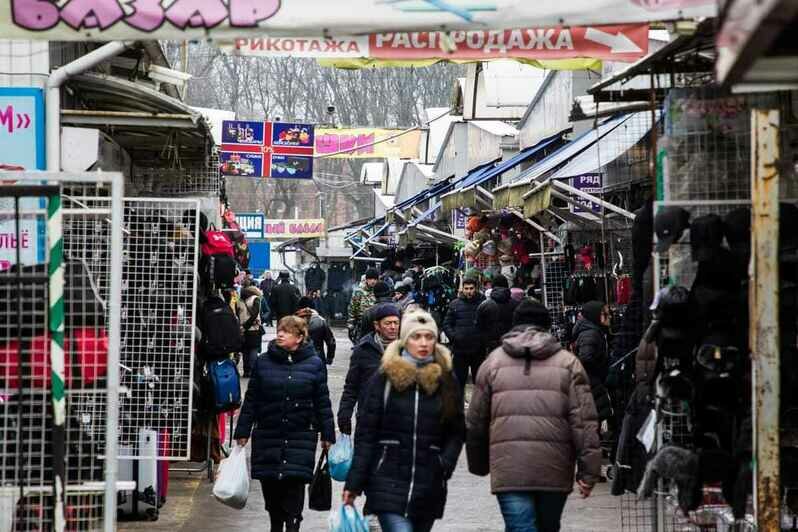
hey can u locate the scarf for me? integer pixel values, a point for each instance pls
(418, 362)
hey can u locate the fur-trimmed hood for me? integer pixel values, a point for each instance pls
(403, 374)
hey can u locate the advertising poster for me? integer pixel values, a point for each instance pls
(251, 224)
(294, 135)
(267, 149)
(592, 184)
(245, 164)
(22, 129)
(301, 228)
(359, 143)
(241, 132)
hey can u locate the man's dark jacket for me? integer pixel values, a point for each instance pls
(284, 299)
(365, 361)
(495, 317)
(461, 328)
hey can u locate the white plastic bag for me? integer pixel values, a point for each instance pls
(232, 484)
(347, 519)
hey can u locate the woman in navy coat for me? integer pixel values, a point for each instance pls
(287, 405)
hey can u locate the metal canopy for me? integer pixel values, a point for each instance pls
(680, 56)
(142, 120)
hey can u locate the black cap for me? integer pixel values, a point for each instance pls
(737, 227)
(672, 306)
(532, 312)
(669, 224)
(381, 289)
(706, 237)
(284, 275)
(304, 302)
(372, 273)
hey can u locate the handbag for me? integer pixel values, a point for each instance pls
(320, 489)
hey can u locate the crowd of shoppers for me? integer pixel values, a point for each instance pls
(532, 421)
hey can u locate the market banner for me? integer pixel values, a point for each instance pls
(362, 143)
(302, 228)
(106, 20)
(614, 43)
(267, 149)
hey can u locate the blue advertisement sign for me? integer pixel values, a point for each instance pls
(239, 163)
(242, 132)
(22, 129)
(592, 184)
(292, 166)
(251, 224)
(260, 259)
(295, 135)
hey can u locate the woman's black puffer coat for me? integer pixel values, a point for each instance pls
(406, 447)
(591, 349)
(287, 404)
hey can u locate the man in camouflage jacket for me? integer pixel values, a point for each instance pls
(362, 299)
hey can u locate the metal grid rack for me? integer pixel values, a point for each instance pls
(31, 447)
(158, 311)
(177, 182)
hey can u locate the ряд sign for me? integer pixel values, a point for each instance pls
(21, 129)
(592, 184)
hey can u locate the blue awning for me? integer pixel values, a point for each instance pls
(570, 150)
(477, 179)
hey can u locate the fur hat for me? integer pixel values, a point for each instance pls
(414, 322)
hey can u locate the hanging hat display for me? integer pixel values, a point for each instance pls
(473, 225)
(471, 249)
(489, 248)
(506, 259)
(505, 246)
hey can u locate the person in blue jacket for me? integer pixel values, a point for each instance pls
(286, 406)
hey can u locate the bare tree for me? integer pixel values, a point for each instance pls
(295, 89)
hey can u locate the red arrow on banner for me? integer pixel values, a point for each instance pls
(23, 118)
(27, 121)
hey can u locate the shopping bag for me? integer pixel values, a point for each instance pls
(347, 519)
(232, 484)
(320, 489)
(340, 458)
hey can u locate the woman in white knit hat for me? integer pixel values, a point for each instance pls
(410, 433)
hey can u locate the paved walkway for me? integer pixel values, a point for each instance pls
(470, 508)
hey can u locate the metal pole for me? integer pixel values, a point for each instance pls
(56, 319)
(543, 271)
(114, 338)
(764, 317)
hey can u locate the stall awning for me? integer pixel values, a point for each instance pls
(465, 195)
(538, 200)
(612, 145)
(512, 195)
(141, 119)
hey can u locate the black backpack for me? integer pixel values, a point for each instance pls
(219, 271)
(221, 331)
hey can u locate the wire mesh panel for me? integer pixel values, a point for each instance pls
(158, 307)
(172, 182)
(55, 353)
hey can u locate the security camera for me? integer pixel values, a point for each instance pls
(330, 109)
